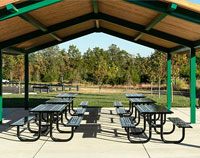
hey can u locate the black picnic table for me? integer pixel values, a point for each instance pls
(67, 101)
(148, 112)
(49, 110)
(133, 95)
(68, 96)
(138, 101)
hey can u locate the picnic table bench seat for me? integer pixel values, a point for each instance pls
(79, 112)
(22, 121)
(84, 104)
(126, 122)
(121, 111)
(118, 104)
(74, 121)
(180, 124)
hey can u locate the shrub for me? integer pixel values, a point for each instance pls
(180, 84)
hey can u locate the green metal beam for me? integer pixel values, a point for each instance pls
(130, 38)
(161, 7)
(96, 10)
(95, 6)
(141, 28)
(193, 85)
(196, 43)
(178, 49)
(68, 38)
(77, 35)
(169, 62)
(26, 66)
(51, 29)
(14, 50)
(156, 20)
(1, 88)
(31, 20)
(29, 8)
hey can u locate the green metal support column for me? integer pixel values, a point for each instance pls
(1, 99)
(169, 62)
(26, 81)
(193, 86)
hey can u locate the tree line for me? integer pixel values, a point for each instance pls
(97, 66)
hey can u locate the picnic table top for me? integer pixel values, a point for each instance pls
(141, 100)
(152, 109)
(49, 108)
(135, 95)
(67, 95)
(59, 101)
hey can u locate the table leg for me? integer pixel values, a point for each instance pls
(161, 124)
(57, 126)
(129, 106)
(135, 116)
(69, 109)
(51, 131)
(150, 132)
(167, 141)
(130, 111)
(72, 104)
(143, 130)
(30, 140)
(139, 117)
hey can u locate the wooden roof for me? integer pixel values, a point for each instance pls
(166, 25)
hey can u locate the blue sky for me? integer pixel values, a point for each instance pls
(104, 41)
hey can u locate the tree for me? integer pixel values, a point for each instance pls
(75, 62)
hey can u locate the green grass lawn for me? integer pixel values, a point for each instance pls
(95, 100)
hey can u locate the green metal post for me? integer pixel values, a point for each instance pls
(169, 80)
(1, 99)
(193, 86)
(26, 81)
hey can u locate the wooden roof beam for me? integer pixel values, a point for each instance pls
(156, 20)
(141, 28)
(31, 20)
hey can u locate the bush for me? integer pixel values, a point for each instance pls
(180, 84)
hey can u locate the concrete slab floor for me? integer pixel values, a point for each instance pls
(100, 135)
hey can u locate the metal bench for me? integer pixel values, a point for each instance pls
(121, 111)
(126, 122)
(79, 112)
(21, 122)
(180, 124)
(84, 104)
(74, 121)
(118, 104)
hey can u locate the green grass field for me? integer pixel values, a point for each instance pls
(95, 100)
